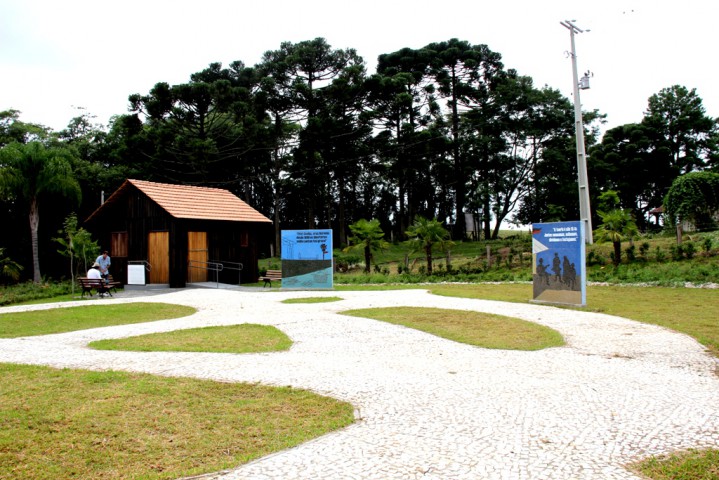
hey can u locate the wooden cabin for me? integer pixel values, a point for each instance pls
(184, 233)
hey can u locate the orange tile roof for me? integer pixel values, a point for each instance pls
(185, 201)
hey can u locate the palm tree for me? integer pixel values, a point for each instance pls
(425, 234)
(617, 224)
(28, 171)
(9, 268)
(368, 236)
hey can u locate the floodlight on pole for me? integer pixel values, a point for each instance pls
(585, 213)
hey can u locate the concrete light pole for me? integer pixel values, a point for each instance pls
(585, 213)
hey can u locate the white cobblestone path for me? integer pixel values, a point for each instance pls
(430, 408)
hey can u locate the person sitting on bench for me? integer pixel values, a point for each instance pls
(94, 274)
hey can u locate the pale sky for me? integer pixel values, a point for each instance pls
(93, 54)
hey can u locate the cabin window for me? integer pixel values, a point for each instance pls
(119, 244)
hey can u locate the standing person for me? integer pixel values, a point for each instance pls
(557, 268)
(104, 262)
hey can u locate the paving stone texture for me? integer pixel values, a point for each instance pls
(429, 408)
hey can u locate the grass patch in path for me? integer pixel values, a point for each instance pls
(113, 425)
(473, 328)
(312, 300)
(689, 465)
(693, 311)
(59, 320)
(245, 338)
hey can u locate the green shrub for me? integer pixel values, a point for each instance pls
(707, 245)
(677, 252)
(643, 250)
(595, 258)
(344, 263)
(25, 292)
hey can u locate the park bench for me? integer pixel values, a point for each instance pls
(112, 284)
(269, 276)
(90, 284)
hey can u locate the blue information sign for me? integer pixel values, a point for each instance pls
(558, 263)
(307, 259)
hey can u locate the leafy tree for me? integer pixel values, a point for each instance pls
(77, 245)
(694, 197)
(641, 160)
(626, 162)
(282, 133)
(682, 132)
(304, 70)
(425, 234)
(30, 171)
(9, 268)
(200, 132)
(94, 162)
(367, 235)
(402, 105)
(344, 144)
(12, 129)
(617, 224)
(465, 75)
(508, 140)
(552, 195)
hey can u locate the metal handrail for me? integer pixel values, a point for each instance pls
(233, 266)
(147, 265)
(211, 266)
(217, 267)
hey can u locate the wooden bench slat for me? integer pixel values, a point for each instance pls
(90, 284)
(269, 276)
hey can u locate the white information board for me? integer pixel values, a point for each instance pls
(135, 274)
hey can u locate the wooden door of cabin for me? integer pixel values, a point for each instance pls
(158, 254)
(196, 257)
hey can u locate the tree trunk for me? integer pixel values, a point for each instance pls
(367, 258)
(617, 253)
(34, 218)
(487, 218)
(276, 203)
(276, 218)
(341, 212)
(428, 251)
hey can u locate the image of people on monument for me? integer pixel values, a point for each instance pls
(558, 251)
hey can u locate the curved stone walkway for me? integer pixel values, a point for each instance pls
(429, 408)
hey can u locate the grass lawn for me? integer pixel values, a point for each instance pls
(689, 465)
(694, 311)
(691, 311)
(312, 300)
(82, 424)
(58, 320)
(688, 310)
(113, 425)
(473, 328)
(244, 338)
